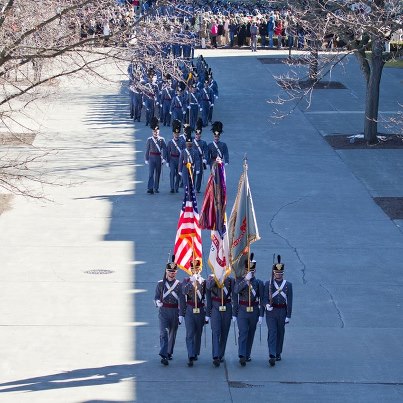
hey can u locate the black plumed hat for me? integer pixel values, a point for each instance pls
(154, 123)
(217, 127)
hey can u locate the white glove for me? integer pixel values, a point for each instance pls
(204, 161)
(146, 162)
(201, 109)
(170, 113)
(248, 276)
(184, 112)
(269, 307)
(226, 163)
(144, 104)
(158, 303)
(180, 319)
(180, 173)
(207, 319)
(188, 107)
(197, 172)
(163, 161)
(157, 103)
(212, 104)
(234, 319)
(287, 320)
(260, 320)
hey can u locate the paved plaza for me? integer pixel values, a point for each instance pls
(78, 272)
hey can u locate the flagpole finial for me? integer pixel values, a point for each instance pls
(245, 162)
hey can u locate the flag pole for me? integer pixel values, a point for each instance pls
(245, 169)
(194, 266)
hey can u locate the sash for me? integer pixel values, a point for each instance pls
(170, 290)
(179, 150)
(156, 144)
(218, 150)
(198, 147)
(279, 290)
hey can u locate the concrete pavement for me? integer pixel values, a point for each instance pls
(77, 277)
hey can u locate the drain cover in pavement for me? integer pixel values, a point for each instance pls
(392, 206)
(241, 385)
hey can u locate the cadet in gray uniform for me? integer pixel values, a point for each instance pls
(250, 310)
(217, 148)
(194, 290)
(219, 310)
(155, 156)
(189, 155)
(174, 148)
(201, 147)
(278, 303)
(169, 299)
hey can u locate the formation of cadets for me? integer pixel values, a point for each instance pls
(187, 107)
(244, 301)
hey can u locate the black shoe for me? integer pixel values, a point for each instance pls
(172, 191)
(190, 362)
(242, 361)
(278, 357)
(177, 191)
(164, 361)
(150, 191)
(248, 359)
(169, 357)
(156, 191)
(195, 358)
(272, 361)
(216, 362)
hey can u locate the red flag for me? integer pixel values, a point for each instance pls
(188, 243)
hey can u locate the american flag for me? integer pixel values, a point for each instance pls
(188, 243)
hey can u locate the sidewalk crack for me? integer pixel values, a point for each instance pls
(303, 269)
(335, 306)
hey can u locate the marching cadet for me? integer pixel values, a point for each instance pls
(206, 101)
(174, 148)
(219, 311)
(193, 106)
(278, 303)
(170, 300)
(217, 148)
(214, 88)
(194, 290)
(155, 156)
(249, 309)
(189, 161)
(201, 147)
(178, 108)
(167, 93)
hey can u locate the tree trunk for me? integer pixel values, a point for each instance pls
(313, 64)
(372, 95)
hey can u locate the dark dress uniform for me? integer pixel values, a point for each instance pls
(155, 156)
(248, 315)
(194, 320)
(174, 148)
(169, 298)
(278, 303)
(219, 310)
(202, 150)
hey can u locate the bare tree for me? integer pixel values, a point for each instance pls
(42, 41)
(363, 28)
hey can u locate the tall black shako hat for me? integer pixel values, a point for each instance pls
(278, 267)
(155, 124)
(199, 125)
(172, 266)
(217, 128)
(252, 263)
(176, 126)
(188, 134)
